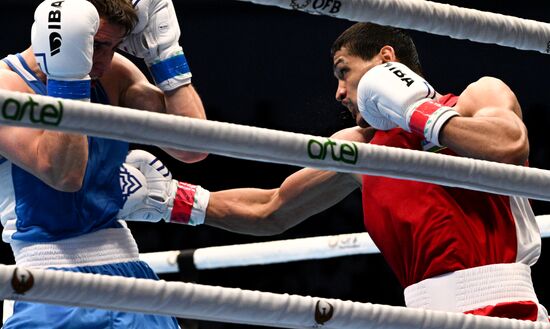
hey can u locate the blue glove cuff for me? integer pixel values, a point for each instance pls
(169, 68)
(74, 89)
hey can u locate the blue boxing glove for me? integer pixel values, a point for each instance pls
(152, 195)
(156, 40)
(392, 95)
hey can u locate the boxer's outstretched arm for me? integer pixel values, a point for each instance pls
(267, 212)
(244, 210)
(303, 194)
(490, 124)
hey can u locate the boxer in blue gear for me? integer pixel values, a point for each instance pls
(60, 193)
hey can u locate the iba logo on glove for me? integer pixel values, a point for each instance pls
(54, 23)
(400, 74)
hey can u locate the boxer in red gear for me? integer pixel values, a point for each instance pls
(452, 249)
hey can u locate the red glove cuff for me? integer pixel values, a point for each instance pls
(428, 117)
(421, 115)
(183, 203)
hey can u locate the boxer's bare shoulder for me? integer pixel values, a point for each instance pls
(355, 134)
(10, 80)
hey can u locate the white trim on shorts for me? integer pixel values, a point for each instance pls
(107, 246)
(470, 289)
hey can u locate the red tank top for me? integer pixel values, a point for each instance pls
(424, 230)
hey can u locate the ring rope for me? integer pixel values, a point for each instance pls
(431, 17)
(269, 145)
(272, 252)
(253, 307)
(233, 305)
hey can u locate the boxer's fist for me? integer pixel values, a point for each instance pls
(62, 40)
(156, 40)
(139, 204)
(375, 119)
(153, 195)
(394, 91)
(388, 90)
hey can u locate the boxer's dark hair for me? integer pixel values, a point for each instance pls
(119, 12)
(366, 39)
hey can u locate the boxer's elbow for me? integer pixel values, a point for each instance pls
(265, 227)
(516, 152)
(512, 147)
(70, 186)
(63, 180)
(192, 157)
(71, 183)
(187, 156)
(279, 222)
(272, 225)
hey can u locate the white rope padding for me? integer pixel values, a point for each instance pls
(233, 305)
(282, 251)
(432, 17)
(263, 253)
(269, 145)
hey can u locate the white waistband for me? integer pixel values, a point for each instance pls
(473, 288)
(112, 245)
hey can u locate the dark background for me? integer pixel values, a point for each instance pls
(270, 67)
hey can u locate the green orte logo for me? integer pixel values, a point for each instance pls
(46, 114)
(343, 152)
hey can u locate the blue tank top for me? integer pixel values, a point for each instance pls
(45, 214)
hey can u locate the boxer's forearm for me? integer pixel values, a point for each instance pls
(268, 212)
(490, 138)
(185, 101)
(62, 160)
